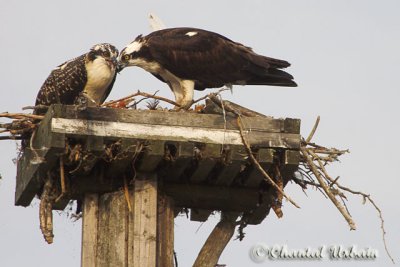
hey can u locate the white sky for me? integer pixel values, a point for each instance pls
(345, 57)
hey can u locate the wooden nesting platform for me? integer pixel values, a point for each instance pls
(199, 159)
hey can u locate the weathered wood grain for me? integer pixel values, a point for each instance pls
(111, 247)
(74, 127)
(89, 230)
(206, 156)
(33, 165)
(145, 221)
(165, 231)
(151, 157)
(169, 118)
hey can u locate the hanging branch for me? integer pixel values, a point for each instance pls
(326, 189)
(316, 163)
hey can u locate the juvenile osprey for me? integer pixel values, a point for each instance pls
(189, 58)
(92, 74)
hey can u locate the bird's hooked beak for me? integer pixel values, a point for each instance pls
(120, 66)
(121, 62)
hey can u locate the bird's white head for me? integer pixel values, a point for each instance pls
(130, 55)
(106, 52)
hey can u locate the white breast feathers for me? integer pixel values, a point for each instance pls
(99, 78)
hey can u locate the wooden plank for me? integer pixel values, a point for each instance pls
(156, 117)
(265, 157)
(32, 167)
(184, 155)
(208, 155)
(292, 125)
(291, 157)
(73, 127)
(151, 156)
(28, 181)
(112, 241)
(165, 231)
(89, 230)
(145, 221)
(231, 165)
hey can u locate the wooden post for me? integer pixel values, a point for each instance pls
(145, 222)
(113, 236)
(89, 229)
(165, 231)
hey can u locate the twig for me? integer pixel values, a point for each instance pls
(110, 103)
(139, 93)
(324, 186)
(258, 166)
(20, 116)
(367, 196)
(62, 180)
(36, 107)
(208, 95)
(310, 136)
(277, 206)
(126, 194)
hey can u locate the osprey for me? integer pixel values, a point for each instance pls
(190, 58)
(91, 74)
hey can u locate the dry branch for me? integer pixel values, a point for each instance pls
(45, 209)
(327, 191)
(217, 240)
(314, 162)
(139, 93)
(20, 116)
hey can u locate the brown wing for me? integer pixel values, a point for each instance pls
(64, 83)
(213, 60)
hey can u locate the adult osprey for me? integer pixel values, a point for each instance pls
(189, 58)
(92, 74)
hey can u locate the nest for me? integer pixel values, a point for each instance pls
(312, 171)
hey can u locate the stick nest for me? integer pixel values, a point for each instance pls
(312, 170)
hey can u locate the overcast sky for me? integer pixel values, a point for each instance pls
(345, 57)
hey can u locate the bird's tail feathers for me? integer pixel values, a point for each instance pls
(273, 77)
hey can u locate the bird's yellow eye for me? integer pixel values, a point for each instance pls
(126, 57)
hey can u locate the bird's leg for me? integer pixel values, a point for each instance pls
(84, 101)
(183, 91)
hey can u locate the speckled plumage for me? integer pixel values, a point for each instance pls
(67, 81)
